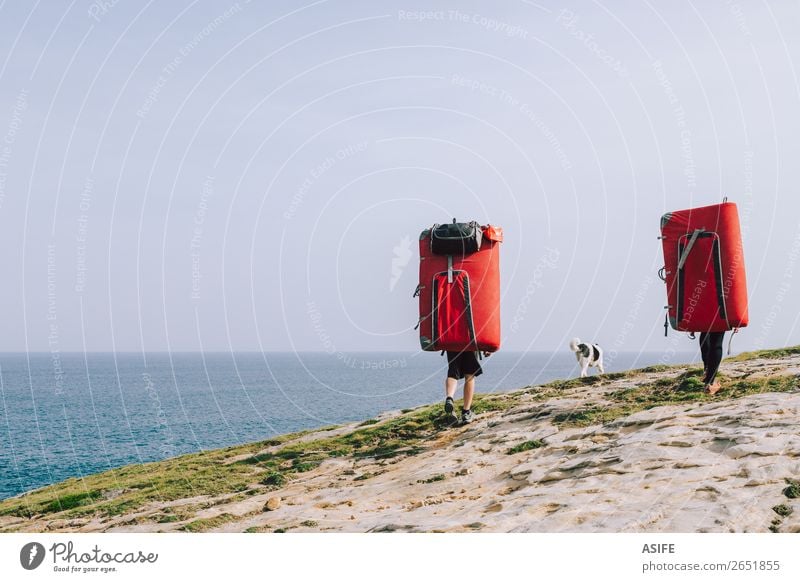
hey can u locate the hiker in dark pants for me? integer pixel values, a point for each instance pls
(461, 365)
(711, 350)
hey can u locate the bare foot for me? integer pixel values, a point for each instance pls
(712, 389)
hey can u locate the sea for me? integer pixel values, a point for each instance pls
(73, 414)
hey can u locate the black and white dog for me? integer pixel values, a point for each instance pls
(587, 355)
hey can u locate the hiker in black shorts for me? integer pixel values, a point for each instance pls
(461, 365)
(711, 351)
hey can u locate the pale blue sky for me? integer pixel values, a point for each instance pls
(244, 174)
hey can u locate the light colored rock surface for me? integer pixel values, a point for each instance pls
(709, 466)
(272, 504)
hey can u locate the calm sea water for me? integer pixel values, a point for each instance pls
(80, 414)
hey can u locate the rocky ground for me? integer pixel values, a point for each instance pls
(644, 451)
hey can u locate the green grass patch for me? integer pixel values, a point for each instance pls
(525, 446)
(494, 403)
(172, 514)
(70, 501)
(122, 490)
(766, 354)
(201, 525)
(433, 479)
(656, 368)
(303, 467)
(684, 388)
(589, 416)
(793, 490)
(167, 518)
(783, 510)
(274, 479)
(554, 388)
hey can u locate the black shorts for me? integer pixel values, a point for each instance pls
(459, 364)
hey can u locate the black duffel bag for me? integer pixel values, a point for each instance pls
(456, 238)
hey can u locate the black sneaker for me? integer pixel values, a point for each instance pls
(449, 406)
(467, 416)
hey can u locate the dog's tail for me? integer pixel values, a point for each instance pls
(573, 345)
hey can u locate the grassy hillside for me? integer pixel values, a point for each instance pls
(242, 471)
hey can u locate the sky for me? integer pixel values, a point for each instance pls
(199, 175)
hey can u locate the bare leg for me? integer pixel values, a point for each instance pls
(450, 385)
(469, 390)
